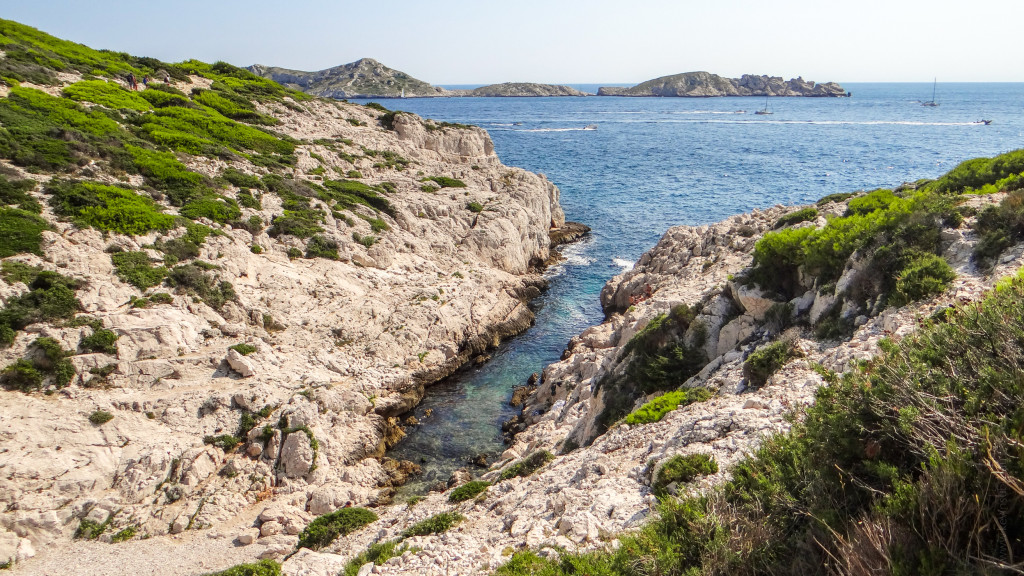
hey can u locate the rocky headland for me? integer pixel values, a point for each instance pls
(707, 85)
(364, 78)
(368, 78)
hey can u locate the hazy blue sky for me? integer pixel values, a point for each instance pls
(570, 41)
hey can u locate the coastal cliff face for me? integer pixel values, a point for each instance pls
(705, 85)
(306, 300)
(364, 78)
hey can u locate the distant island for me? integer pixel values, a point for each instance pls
(368, 78)
(707, 85)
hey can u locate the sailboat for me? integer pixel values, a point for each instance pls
(766, 111)
(933, 103)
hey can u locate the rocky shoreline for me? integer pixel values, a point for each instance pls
(707, 85)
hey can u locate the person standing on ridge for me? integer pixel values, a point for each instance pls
(145, 82)
(131, 81)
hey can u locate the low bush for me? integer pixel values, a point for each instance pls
(999, 227)
(15, 193)
(243, 180)
(226, 442)
(322, 247)
(977, 173)
(109, 94)
(527, 465)
(924, 275)
(107, 208)
(136, 269)
(90, 529)
(767, 360)
(445, 182)
(838, 197)
(216, 208)
(163, 171)
(796, 217)
(469, 490)
(475, 207)
(324, 529)
(242, 348)
(100, 341)
(124, 535)
(681, 469)
(436, 524)
(51, 297)
(193, 279)
(100, 417)
(249, 200)
(261, 568)
(378, 553)
(350, 193)
(656, 409)
(366, 241)
(21, 232)
(21, 375)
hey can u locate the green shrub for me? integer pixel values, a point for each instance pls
(976, 173)
(322, 247)
(350, 193)
(378, 553)
(527, 465)
(15, 193)
(124, 535)
(51, 297)
(324, 529)
(161, 99)
(999, 227)
(107, 208)
(256, 249)
(294, 253)
(248, 200)
(475, 207)
(161, 298)
(136, 269)
(21, 232)
(656, 409)
(354, 174)
(925, 275)
(366, 241)
(226, 442)
(193, 279)
(109, 94)
(100, 341)
(871, 202)
(767, 360)
(216, 208)
(243, 180)
(243, 349)
(261, 568)
(436, 524)
(467, 491)
(91, 530)
(680, 469)
(21, 375)
(100, 417)
(796, 217)
(203, 131)
(163, 171)
(838, 197)
(445, 182)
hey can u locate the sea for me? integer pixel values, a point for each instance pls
(646, 164)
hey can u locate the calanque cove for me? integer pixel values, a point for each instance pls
(222, 297)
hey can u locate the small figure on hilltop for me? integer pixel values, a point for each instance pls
(145, 82)
(167, 78)
(131, 81)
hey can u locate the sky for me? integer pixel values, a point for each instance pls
(449, 42)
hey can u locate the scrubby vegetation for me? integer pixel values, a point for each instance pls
(436, 524)
(796, 217)
(193, 279)
(136, 269)
(767, 360)
(109, 94)
(216, 208)
(656, 409)
(100, 417)
(445, 182)
(261, 568)
(324, 529)
(51, 298)
(1000, 227)
(322, 247)
(100, 340)
(681, 469)
(527, 465)
(242, 348)
(107, 208)
(378, 553)
(467, 491)
(21, 232)
(909, 464)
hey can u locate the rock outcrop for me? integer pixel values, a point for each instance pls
(364, 78)
(705, 84)
(519, 89)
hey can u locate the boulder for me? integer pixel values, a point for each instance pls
(297, 455)
(240, 364)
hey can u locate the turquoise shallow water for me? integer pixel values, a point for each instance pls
(658, 162)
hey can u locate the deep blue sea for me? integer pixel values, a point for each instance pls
(653, 163)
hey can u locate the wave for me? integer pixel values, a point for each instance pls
(621, 263)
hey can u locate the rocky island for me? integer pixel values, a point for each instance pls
(706, 85)
(367, 78)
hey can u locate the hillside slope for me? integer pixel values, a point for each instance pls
(219, 293)
(364, 78)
